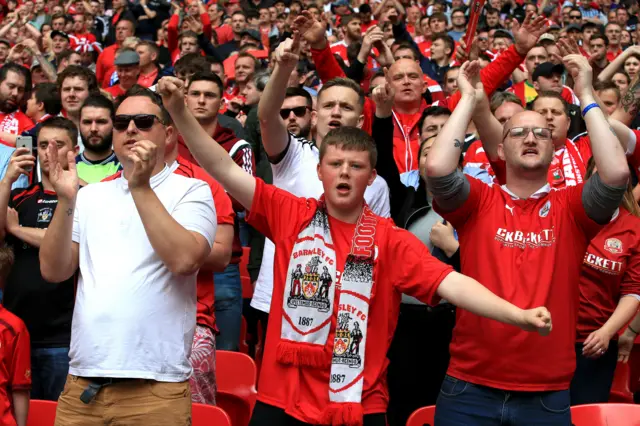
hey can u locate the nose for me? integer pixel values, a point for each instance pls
(201, 99)
(292, 116)
(344, 169)
(94, 126)
(131, 128)
(335, 110)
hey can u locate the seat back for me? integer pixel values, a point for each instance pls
(605, 415)
(208, 415)
(236, 381)
(422, 416)
(620, 389)
(41, 413)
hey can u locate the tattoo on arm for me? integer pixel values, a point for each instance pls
(69, 212)
(457, 143)
(630, 103)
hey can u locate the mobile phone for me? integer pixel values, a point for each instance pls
(25, 142)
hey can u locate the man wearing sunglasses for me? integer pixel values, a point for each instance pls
(138, 241)
(296, 112)
(533, 241)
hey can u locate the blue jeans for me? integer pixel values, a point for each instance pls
(462, 403)
(593, 378)
(49, 369)
(228, 305)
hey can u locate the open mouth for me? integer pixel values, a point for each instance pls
(343, 188)
(334, 124)
(530, 151)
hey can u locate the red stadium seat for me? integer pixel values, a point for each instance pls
(208, 415)
(236, 380)
(620, 391)
(605, 415)
(41, 413)
(422, 416)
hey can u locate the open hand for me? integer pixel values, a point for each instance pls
(596, 344)
(526, 35)
(64, 182)
(469, 82)
(581, 72)
(310, 29)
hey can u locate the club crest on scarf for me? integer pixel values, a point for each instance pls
(310, 288)
(346, 347)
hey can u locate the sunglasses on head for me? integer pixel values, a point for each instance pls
(298, 111)
(142, 121)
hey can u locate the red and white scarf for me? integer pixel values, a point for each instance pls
(309, 306)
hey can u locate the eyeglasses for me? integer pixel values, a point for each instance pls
(142, 121)
(575, 17)
(298, 111)
(523, 132)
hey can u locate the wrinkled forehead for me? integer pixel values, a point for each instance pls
(525, 119)
(404, 66)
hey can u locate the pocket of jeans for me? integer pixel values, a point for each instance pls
(164, 390)
(453, 387)
(72, 381)
(556, 402)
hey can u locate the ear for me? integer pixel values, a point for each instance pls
(536, 86)
(40, 106)
(318, 170)
(501, 151)
(169, 131)
(360, 121)
(314, 119)
(372, 177)
(76, 150)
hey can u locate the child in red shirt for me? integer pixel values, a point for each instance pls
(15, 358)
(339, 271)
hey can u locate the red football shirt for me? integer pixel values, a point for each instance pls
(611, 269)
(15, 362)
(115, 91)
(528, 252)
(15, 123)
(304, 392)
(224, 212)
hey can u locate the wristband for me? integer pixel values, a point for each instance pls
(588, 107)
(632, 330)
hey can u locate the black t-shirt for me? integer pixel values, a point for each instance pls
(46, 308)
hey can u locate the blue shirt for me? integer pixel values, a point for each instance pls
(5, 155)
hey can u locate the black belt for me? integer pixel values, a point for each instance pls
(97, 383)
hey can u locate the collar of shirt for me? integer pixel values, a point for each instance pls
(546, 189)
(155, 180)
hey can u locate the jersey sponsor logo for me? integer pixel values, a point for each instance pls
(520, 239)
(45, 214)
(41, 201)
(27, 374)
(544, 211)
(510, 208)
(613, 245)
(601, 264)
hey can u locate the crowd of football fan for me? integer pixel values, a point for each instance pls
(118, 285)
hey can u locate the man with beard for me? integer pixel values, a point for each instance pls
(296, 112)
(98, 160)
(14, 81)
(352, 33)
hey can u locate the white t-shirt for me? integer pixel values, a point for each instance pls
(133, 318)
(297, 174)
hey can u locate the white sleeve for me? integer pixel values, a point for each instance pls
(287, 168)
(196, 211)
(75, 233)
(377, 197)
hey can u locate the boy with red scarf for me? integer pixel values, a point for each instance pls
(337, 283)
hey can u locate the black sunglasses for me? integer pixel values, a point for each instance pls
(142, 121)
(298, 111)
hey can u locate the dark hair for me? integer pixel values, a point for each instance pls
(597, 36)
(252, 14)
(48, 94)
(58, 16)
(62, 124)
(432, 111)
(99, 101)
(293, 92)
(7, 258)
(350, 138)
(66, 54)
(606, 85)
(344, 21)
(448, 41)
(458, 9)
(81, 72)
(554, 95)
(239, 12)
(490, 10)
(191, 63)
(187, 34)
(439, 16)
(451, 68)
(344, 82)
(18, 69)
(207, 76)
(143, 92)
(405, 45)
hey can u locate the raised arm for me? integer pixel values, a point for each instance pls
(211, 156)
(607, 151)
(59, 255)
(617, 64)
(20, 161)
(444, 155)
(275, 137)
